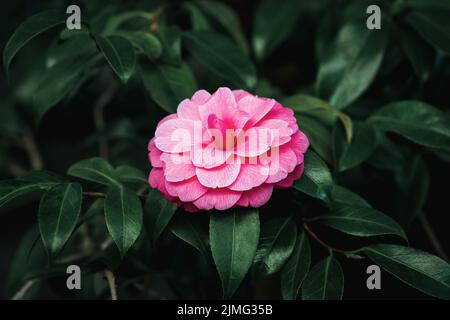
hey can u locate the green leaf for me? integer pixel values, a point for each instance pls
(198, 20)
(348, 155)
(325, 281)
(123, 213)
(318, 134)
(13, 192)
(319, 109)
(58, 81)
(350, 65)
(296, 268)
(118, 19)
(233, 237)
(43, 176)
(277, 240)
(58, 214)
(131, 174)
(78, 45)
(316, 180)
(273, 23)
(416, 121)
(433, 25)
(219, 55)
(419, 269)
(443, 4)
(168, 85)
(157, 214)
(95, 170)
(227, 18)
(171, 43)
(29, 29)
(119, 53)
(361, 221)
(146, 42)
(188, 229)
(342, 195)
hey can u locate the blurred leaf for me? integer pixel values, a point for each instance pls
(325, 281)
(348, 155)
(10, 121)
(69, 49)
(219, 55)
(58, 82)
(146, 42)
(14, 192)
(387, 155)
(319, 109)
(119, 53)
(277, 240)
(168, 85)
(233, 238)
(416, 268)
(115, 21)
(157, 214)
(418, 52)
(123, 213)
(43, 176)
(361, 221)
(58, 214)
(131, 174)
(273, 22)
(170, 37)
(186, 228)
(316, 180)
(198, 20)
(318, 134)
(95, 170)
(296, 268)
(29, 29)
(416, 121)
(433, 25)
(351, 64)
(227, 18)
(443, 4)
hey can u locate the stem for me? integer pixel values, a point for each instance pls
(436, 244)
(24, 289)
(112, 284)
(99, 119)
(30, 146)
(321, 242)
(94, 194)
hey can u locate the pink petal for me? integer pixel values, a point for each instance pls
(256, 141)
(167, 118)
(239, 94)
(250, 176)
(222, 103)
(177, 167)
(200, 97)
(299, 143)
(220, 199)
(281, 113)
(282, 161)
(256, 197)
(256, 107)
(209, 156)
(280, 131)
(188, 110)
(157, 181)
(175, 135)
(187, 190)
(221, 176)
(154, 154)
(289, 180)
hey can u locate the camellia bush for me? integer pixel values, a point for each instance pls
(240, 149)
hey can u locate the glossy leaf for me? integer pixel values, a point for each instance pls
(119, 53)
(348, 155)
(415, 120)
(171, 43)
(296, 268)
(416, 268)
(157, 214)
(123, 214)
(221, 56)
(277, 240)
(343, 195)
(233, 238)
(361, 221)
(29, 29)
(351, 64)
(95, 170)
(318, 134)
(273, 23)
(325, 281)
(168, 85)
(146, 42)
(189, 230)
(13, 192)
(58, 214)
(131, 174)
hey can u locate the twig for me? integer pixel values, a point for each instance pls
(99, 120)
(321, 242)
(30, 146)
(94, 194)
(437, 246)
(24, 289)
(112, 284)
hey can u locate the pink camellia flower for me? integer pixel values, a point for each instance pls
(227, 149)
